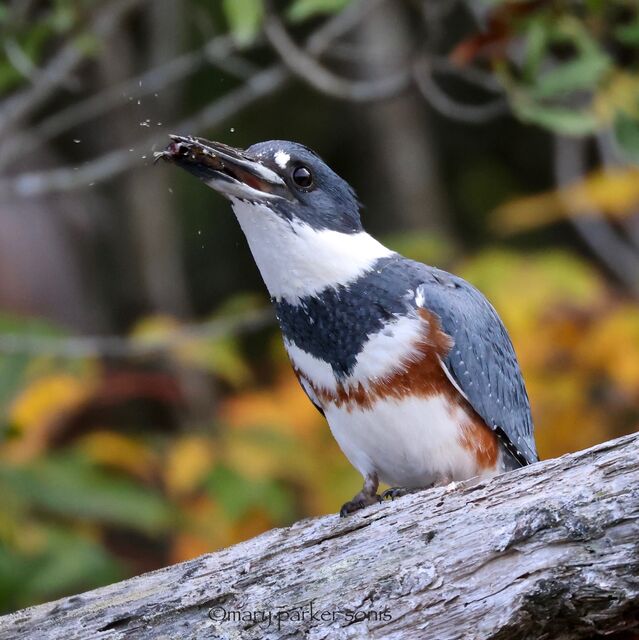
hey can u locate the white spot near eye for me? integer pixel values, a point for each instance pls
(282, 158)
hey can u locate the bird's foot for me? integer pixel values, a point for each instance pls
(367, 496)
(357, 503)
(398, 492)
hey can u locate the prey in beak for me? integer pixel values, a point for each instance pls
(230, 171)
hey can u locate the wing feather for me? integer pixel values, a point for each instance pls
(482, 362)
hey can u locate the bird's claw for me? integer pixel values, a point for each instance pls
(398, 492)
(395, 492)
(357, 503)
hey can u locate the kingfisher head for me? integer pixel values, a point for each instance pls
(300, 218)
(287, 178)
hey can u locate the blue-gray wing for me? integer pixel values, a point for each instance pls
(482, 361)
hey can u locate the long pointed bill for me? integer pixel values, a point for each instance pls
(230, 171)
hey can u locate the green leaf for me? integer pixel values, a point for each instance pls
(70, 563)
(238, 495)
(536, 44)
(628, 34)
(244, 18)
(558, 275)
(87, 43)
(303, 9)
(626, 131)
(9, 78)
(62, 562)
(221, 356)
(27, 326)
(14, 367)
(36, 40)
(558, 119)
(63, 18)
(584, 73)
(596, 6)
(13, 371)
(421, 245)
(68, 486)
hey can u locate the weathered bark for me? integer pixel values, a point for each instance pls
(550, 551)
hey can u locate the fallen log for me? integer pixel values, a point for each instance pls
(548, 551)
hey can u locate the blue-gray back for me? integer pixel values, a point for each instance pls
(482, 361)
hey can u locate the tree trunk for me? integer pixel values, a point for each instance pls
(549, 551)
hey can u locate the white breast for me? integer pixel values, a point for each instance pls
(411, 442)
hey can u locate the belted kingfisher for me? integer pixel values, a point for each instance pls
(410, 365)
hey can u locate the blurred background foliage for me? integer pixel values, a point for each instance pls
(148, 413)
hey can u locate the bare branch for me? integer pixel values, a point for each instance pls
(340, 24)
(218, 52)
(20, 10)
(471, 75)
(434, 12)
(263, 83)
(594, 229)
(31, 184)
(128, 348)
(307, 68)
(446, 106)
(61, 66)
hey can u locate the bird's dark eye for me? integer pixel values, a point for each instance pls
(302, 177)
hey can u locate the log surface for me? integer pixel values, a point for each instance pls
(548, 551)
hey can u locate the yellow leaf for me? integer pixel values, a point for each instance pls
(188, 462)
(38, 408)
(220, 356)
(188, 545)
(207, 529)
(614, 192)
(120, 452)
(613, 346)
(45, 397)
(155, 329)
(285, 405)
(252, 524)
(621, 93)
